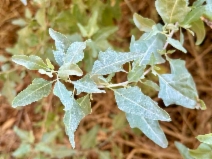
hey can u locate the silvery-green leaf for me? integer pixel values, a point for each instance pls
(178, 87)
(208, 9)
(59, 56)
(99, 80)
(149, 127)
(31, 62)
(85, 104)
(104, 33)
(24, 2)
(111, 61)
(75, 52)
(69, 69)
(199, 29)
(22, 150)
(43, 72)
(86, 84)
(202, 152)
(148, 47)
(64, 95)
(37, 90)
(194, 15)
(176, 44)
(172, 11)
(136, 73)
(198, 3)
(25, 136)
(207, 138)
(184, 151)
(152, 84)
(132, 101)
(143, 24)
(74, 115)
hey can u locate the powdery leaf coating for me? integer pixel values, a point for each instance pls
(30, 62)
(172, 11)
(75, 52)
(65, 96)
(143, 24)
(178, 87)
(147, 48)
(59, 56)
(149, 127)
(111, 61)
(176, 44)
(86, 84)
(73, 116)
(37, 90)
(132, 101)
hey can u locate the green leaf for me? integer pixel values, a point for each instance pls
(198, 3)
(204, 151)
(43, 147)
(64, 95)
(73, 117)
(176, 44)
(172, 11)
(143, 24)
(49, 64)
(184, 151)
(40, 16)
(111, 61)
(104, 155)
(59, 57)
(119, 121)
(147, 48)
(104, 33)
(208, 10)
(8, 90)
(207, 138)
(49, 137)
(149, 127)
(194, 15)
(75, 52)
(37, 90)
(25, 136)
(69, 69)
(86, 84)
(132, 100)
(199, 29)
(31, 62)
(178, 87)
(23, 149)
(88, 140)
(152, 84)
(85, 103)
(136, 73)
(62, 151)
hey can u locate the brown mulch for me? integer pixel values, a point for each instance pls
(186, 124)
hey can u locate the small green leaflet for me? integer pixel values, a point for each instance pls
(194, 15)
(151, 84)
(184, 151)
(64, 95)
(23, 149)
(136, 73)
(86, 84)
(178, 87)
(69, 69)
(149, 127)
(132, 101)
(147, 48)
(172, 11)
(143, 24)
(37, 90)
(75, 52)
(72, 118)
(176, 44)
(199, 29)
(202, 152)
(30, 62)
(207, 138)
(111, 61)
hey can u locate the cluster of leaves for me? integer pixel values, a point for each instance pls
(69, 18)
(145, 56)
(203, 151)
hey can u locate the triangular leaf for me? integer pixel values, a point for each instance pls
(132, 100)
(149, 127)
(178, 87)
(199, 29)
(64, 95)
(69, 69)
(86, 84)
(37, 90)
(73, 117)
(143, 24)
(184, 151)
(111, 61)
(172, 11)
(207, 138)
(148, 47)
(176, 44)
(30, 62)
